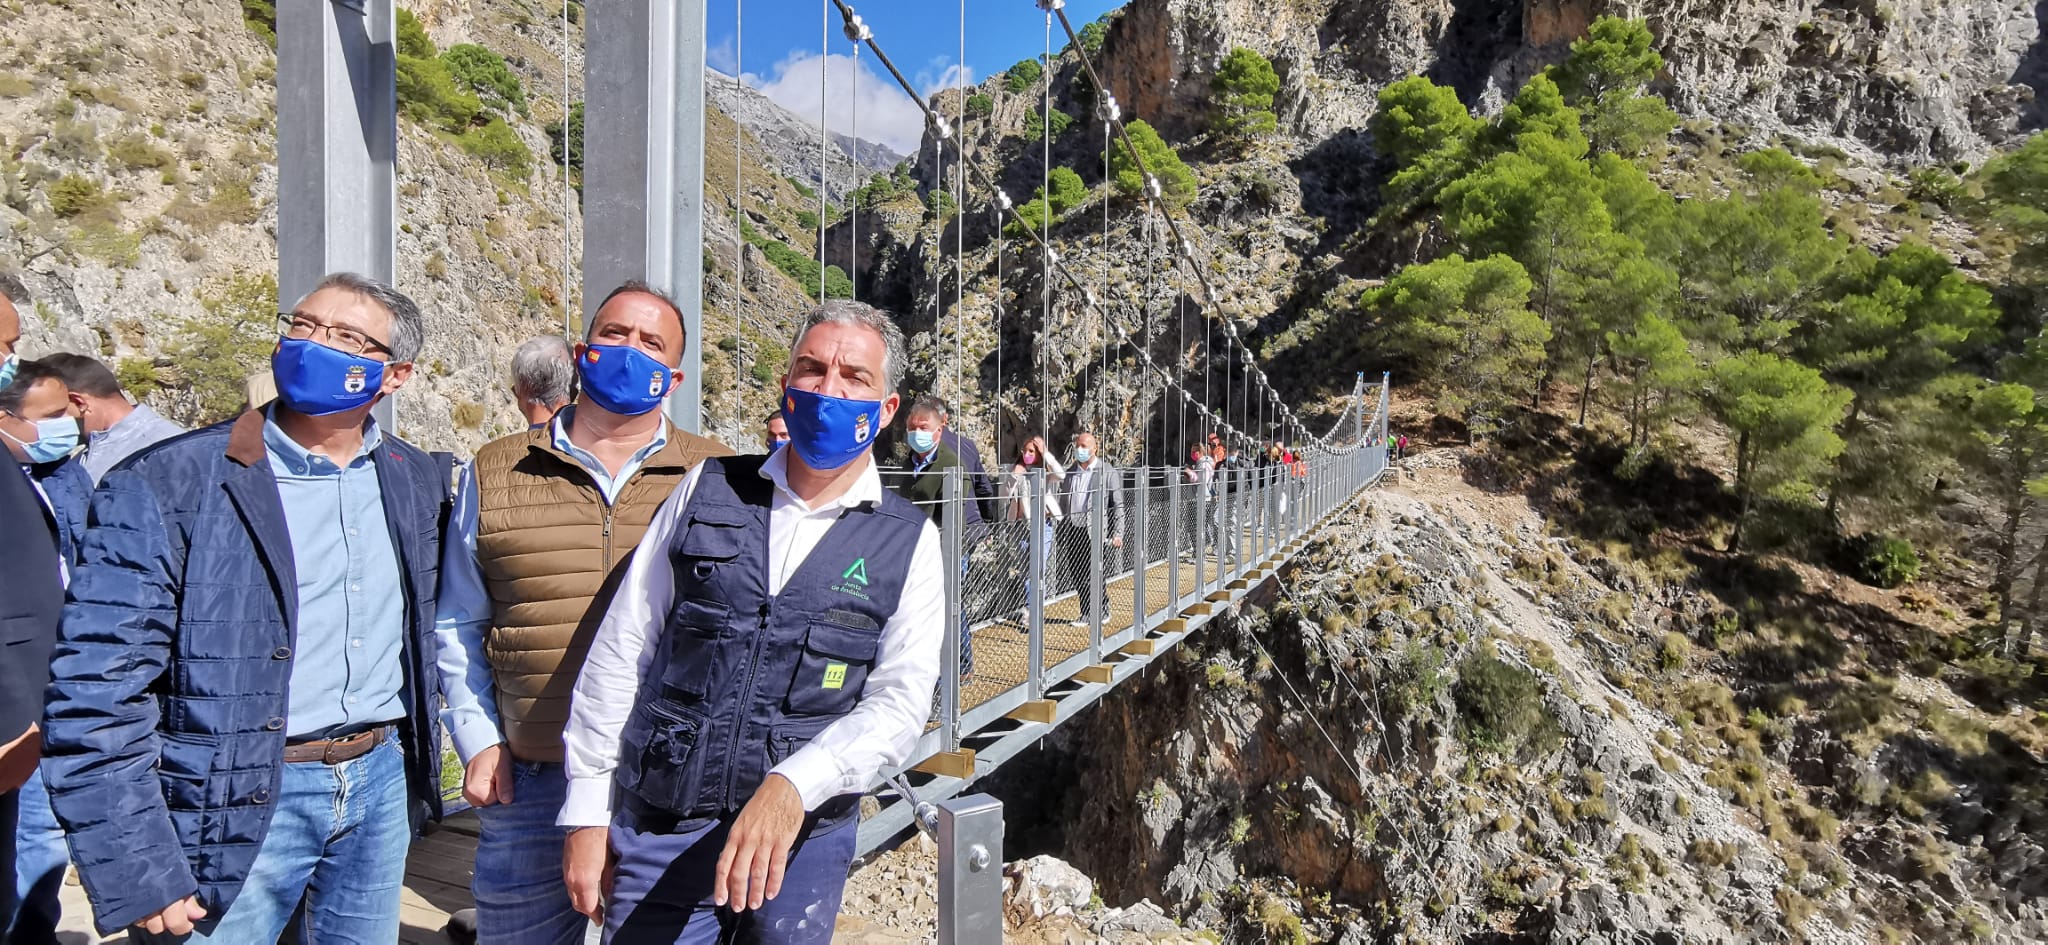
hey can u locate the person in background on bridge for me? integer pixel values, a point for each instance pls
(39, 433)
(773, 648)
(241, 722)
(545, 522)
(775, 432)
(543, 378)
(1015, 500)
(115, 427)
(980, 484)
(921, 478)
(1088, 472)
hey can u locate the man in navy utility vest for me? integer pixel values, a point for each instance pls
(241, 722)
(773, 646)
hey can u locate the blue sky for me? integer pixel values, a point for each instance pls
(780, 54)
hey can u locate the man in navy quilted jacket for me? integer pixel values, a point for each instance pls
(243, 712)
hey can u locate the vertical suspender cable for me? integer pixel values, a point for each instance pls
(824, 136)
(852, 201)
(960, 221)
(739, 199)
(568, 195)
(1045, 224)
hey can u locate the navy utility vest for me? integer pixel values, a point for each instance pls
(741, 680)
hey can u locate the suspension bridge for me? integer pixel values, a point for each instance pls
(1053, 624)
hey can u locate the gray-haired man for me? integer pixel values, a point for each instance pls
(772, 646)
(241, 719)
(543, 378)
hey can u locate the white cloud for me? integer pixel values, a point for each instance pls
(724, 56)
(884, 113)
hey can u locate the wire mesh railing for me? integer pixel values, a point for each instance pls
(1060, 573)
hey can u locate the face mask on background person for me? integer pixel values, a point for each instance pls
(828, 432)
(623, 379)
(7, 369)
(922, 441)
(317, 380)
(1030, 459)
(55, 438)
(1083, 454)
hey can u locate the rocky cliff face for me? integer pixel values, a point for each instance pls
(1904, 81)
(1329, 764)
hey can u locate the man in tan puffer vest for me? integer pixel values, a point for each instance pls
(544, 524)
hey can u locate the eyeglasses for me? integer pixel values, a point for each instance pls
(346, 340)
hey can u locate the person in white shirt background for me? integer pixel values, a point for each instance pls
(773, 646)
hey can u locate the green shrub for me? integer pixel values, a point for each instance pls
(1885, 561)
(429, 94)
(1177, 183)
(1671, 656)
(1034, 124)
(499, 147)
(1500, 707)
(484, 73)
(412, 37)
(979, 105)
(136, 152)
(572, 140)
(1068, 190)
(1243, 104)
(799, 267)
(261, 16)
(216, 351)
(467, 415)
(137, 376)
(1937, 186)
(73, 195)
(1022, 76)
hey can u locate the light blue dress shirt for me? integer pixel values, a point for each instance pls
(141, 428)
(348, 662)
(462, 615)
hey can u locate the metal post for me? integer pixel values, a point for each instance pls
(1240, 497)
(1036, 602)
(643, 188)
(1173, 544)
(949, 677)
(1202, 514)
(1141, 605)
(337, 146)
(971, 871)
(1098, 538)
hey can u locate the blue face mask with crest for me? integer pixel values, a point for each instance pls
(623, 379)
(317, 380)
(829, 432)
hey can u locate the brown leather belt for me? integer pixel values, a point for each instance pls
(334, 751)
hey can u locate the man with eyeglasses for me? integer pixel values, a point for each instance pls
(242, 718)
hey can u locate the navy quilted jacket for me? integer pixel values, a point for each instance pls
(165, 714)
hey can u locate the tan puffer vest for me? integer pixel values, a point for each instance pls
(552, 554)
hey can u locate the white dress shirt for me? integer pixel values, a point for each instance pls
(848, 754)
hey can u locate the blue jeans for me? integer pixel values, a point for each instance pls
(39, 860)
(338, 841)
(520, 898)
(661, 892)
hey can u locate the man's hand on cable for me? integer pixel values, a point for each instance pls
(757, 848)
(487, 779)
(587, 864)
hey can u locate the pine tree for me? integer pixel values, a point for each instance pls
(1466, 328)
(1176, 183)
(1605, 77)
(1783, 415)
(1244, 85)
(2016, 187)
(1423, 128)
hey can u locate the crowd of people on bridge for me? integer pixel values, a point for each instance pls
(667, 671)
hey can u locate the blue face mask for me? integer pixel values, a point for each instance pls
(922, 441)
(829, 432)
(55, 439)
(623, 379)
(1083, 454)
(7, 369)
(317, 380)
